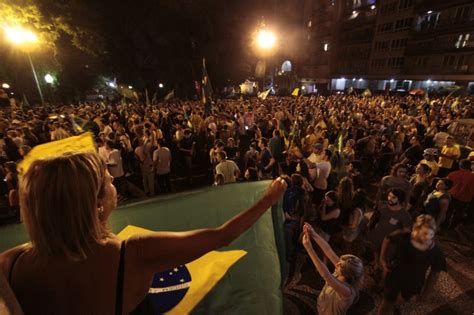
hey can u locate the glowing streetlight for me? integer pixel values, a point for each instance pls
(130, 87)
(19, 36)
(265, 42)
(48, 78)
(266, 39)
(5, 85)
(160, 85)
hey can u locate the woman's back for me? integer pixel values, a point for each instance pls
(58, 285)
(330, 302)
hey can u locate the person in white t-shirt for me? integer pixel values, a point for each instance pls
(227, 168)
(144, 155)
(162, 166)
(102, 150)
(315, 157)
(319, 167)
(115, 166)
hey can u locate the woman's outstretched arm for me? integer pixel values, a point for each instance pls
(164, 250)
(325, 247)
(338, 286)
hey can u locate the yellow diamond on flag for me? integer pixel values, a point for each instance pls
(196, 279)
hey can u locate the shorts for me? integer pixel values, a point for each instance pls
(394, 285)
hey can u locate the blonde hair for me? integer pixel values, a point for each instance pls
(352, 268)
(424, 220)
(59, 203)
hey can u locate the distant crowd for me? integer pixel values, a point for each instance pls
(361, 170)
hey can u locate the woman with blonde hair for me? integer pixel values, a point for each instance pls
(341, 288)
(74, 264)
(406, 257)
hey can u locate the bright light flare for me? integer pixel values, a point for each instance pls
(5, 85)
(49, 78)
(20, 36)
(266, 39)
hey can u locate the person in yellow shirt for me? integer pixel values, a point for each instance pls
(429, 159)
(449, 154)
(471, 156)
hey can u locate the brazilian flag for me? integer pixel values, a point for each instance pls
(206, 89)
(179, 290)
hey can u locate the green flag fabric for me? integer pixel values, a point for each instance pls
(249, 284)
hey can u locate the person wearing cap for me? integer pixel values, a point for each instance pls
(449, 154)
(429, 159)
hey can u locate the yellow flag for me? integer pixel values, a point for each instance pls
(179, 290)
(295, 92)
(263, 95)
(76, 144)
(455, 103)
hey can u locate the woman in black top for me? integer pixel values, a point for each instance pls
(405, 258)
(328, 221)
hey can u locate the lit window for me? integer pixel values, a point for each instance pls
(462, 40)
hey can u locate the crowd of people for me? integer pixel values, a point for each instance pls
(378, 175)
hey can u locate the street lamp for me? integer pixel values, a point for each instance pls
(160, 85)
(48, 78)
(265, 42)
(5, 85)
(22, 37)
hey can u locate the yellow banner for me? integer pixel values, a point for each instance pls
(82, 143)
(295, 92)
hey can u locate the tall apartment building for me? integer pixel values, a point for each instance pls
(390, 44)
(354, 37)
(318, 42)
(441, 48)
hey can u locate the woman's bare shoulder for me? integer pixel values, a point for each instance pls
(8, 256)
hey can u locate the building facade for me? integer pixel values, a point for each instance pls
(390, 44)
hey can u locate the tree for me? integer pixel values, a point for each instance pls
(58, 29)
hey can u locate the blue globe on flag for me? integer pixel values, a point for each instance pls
(169, 288)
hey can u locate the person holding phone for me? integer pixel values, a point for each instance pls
(341, 288)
